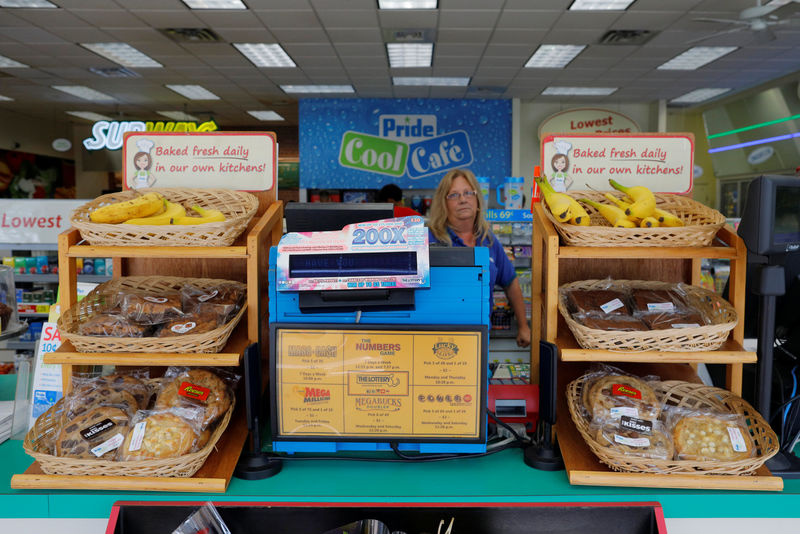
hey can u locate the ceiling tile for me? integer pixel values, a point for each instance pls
(245, 35)
(465, 18)
(349, 18)
(166, 19)
(464, 36)
(296, 18)
(514, 19)
(367, 35)
(402, 19)
(109, 18)
(295, 35)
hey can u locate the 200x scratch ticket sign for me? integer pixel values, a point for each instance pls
(413, 384)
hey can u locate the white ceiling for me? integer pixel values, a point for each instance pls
(342, 42)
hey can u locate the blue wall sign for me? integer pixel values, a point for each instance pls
(367, 143)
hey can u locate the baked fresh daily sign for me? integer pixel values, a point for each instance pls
(409, 142)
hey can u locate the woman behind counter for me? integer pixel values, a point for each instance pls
(457, 219)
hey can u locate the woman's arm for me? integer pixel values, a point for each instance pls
(514, 294)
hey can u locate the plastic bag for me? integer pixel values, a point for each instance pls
(642, 438)
(150, 308)
(112, 325)
(206, 520)
(158, 434)
(189, 324)
(610, 323)
(208, 388)
(97, 433)
(223, 300)
(703, 435)
(614, 393)
(601, 302)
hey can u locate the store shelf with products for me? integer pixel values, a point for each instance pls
(245, 260)
(555, 265)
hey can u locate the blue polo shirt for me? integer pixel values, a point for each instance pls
(501, 272)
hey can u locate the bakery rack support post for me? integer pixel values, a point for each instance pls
(246, 260)
(554, 265)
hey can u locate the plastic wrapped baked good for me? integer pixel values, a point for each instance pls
(598, 301)
(201, 388)
(613, 396)
(191, 323)
(113, 326)
(155, 308)
(678, 319)
(635, 437)
(161, 434)
(623, 323)
(704, 435)
(95, 434)
(224, 300)
(657, 300)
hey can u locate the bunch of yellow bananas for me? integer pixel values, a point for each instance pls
(152, 209)
(638, 209)
(563, 207)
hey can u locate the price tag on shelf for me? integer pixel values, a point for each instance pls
(509, 216)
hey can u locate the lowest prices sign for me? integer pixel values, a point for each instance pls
(245, 161)
(34, 220)
(662, 162)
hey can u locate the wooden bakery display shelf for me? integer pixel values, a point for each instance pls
(554, 264)
(246, 260)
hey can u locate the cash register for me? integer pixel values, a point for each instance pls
(377, 341)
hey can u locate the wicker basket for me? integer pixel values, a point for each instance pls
(38, 439)
(688, 395)
(237, 206)
(701, 224)
(99, 297)
(702, 338)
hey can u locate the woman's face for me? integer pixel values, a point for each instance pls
(463, 207)
(559, 164)
(141, 162)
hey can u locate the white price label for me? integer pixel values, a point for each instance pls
(632, 442)
(612, 305)
(138, 436)
(737, 440)
(108, 445)
(619, 411)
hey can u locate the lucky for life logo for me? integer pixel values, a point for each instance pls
(406, 144)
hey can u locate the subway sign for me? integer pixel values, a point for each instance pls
(109, 135)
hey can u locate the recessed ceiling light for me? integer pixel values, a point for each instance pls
(5, 98)
(265, 55)
(193, 92)
(431, 81)
(696, 57)
(553, 56)
(89, 116)
(407, 4)
(699, 95)
(122, 53)
(318, 89)
(266, 115)
(215, 4)
(596, 5)
(8, 63)
(27, 3)
(579, 91)
(81, 91)
(178, 116)
(403, 55)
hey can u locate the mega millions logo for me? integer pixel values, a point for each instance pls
(445, 350)
(406, 144)
(312, 395)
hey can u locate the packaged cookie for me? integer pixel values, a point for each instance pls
(657, 300)
(151, 308)
(610, 323)
(97, 433)
(669, 320)
(601, 302)
(707, 435)
(223, 300)
(191, 323)
(613, 396)
(134, 382)
(111, 325)
(206, 388)
(631, 436)
(87, 397)
(157, 434)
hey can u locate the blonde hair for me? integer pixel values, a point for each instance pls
(437, 221)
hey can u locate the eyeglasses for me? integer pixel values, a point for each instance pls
(466, 194)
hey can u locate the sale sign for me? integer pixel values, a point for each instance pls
(246, 161)
(34, 220)
(662, 162)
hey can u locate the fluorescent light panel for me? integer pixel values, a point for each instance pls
(122, 54)
(265, 55)
(579, 91)
(699, 95)
(215, 4)
(5, 98)
(8, 63)
(193, 92)
(407, 4)
(266, 115)
(178, 116)
(600, 5)
(81, 91)
(696, 57)
(431, 81)
(406, 55)
(89, 116)
(36, 4)
(553, 56)
(317, 89)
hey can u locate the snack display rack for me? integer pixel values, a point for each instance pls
(246, 260)
(554, 265)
